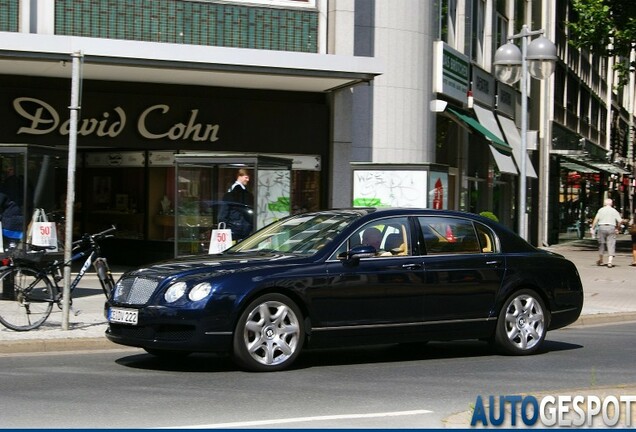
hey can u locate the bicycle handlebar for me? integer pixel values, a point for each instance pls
(105, 233)
(96, 236)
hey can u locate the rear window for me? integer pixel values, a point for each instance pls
(448, 235)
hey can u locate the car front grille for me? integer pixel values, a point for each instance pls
(135, 291)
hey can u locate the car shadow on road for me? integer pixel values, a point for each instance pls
(396, 353)
(198, 362)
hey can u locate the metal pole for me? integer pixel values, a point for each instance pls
(544, 172)
(630, 137)
(524, 35)
(524, 134)
(70, 185)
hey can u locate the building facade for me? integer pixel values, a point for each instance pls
(439, 102)
(350, 92)
(166, 78)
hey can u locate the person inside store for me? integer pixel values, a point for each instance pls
(12, 221)
(11, 184)
(608, 220)
(238, 217)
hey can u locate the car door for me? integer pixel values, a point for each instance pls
(383, 290)
(462, 269)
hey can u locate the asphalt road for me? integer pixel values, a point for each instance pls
(383, 387)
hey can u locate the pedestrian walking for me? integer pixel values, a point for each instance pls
(632, 232)
(608, 220)
(236, 209)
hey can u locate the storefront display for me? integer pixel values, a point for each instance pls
(32, 178)
(400, 185)
(203, 199)
(126, 173)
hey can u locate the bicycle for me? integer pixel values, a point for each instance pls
(30, 283)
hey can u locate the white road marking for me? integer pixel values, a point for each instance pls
(257, 423)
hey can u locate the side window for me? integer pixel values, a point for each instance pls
(486, 240)
(390, 237)
(444, 235)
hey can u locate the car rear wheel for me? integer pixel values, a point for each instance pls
(269, 334)
(522, 324)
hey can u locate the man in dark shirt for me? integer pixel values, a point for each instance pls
(237, 207)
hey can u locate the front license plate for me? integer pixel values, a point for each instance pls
(124, 316)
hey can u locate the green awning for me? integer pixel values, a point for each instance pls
(595, 164)
(497, 142)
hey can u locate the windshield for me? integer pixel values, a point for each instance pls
(304, 234)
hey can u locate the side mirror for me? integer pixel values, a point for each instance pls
(357, 252)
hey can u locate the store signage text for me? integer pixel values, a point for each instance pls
(451, 76)
(44, 119)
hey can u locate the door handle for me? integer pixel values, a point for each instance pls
(495, 262)
(411, 266)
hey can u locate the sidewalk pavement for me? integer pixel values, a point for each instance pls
(610, 296)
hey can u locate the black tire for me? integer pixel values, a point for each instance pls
(26, 300)
(269, 334)
(522, 324)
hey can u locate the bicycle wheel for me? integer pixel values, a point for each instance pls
(26, 300)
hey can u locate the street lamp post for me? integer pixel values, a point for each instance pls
(537, 57)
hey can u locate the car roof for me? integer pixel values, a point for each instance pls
(407, 211)
(509, 239)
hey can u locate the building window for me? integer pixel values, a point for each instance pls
(448, 22)
(9, 15)
(191, 22)
(479, 18)
(520, 15)
(501, 31)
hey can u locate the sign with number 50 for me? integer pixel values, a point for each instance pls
(220, 240)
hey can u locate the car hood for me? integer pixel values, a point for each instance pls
(206, 264)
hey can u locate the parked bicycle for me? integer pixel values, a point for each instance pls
(30, 283)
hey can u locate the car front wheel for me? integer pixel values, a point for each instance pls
(269, 334)
(522, 324)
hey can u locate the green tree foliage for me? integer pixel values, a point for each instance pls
(606, 27)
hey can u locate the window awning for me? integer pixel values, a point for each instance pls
(514, 139)
(592, 164)
(498, 148)
(496, 141)
(571, 166)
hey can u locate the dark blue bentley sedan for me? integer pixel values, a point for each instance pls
(349, 277)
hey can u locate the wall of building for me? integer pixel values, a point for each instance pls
(403, 127)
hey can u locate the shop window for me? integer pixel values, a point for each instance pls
(114, 193)
(30, 178)
(305, 193)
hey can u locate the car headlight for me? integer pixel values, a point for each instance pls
(200, 291)
(175, 292)
(117, 294)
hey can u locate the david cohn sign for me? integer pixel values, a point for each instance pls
(42, 119)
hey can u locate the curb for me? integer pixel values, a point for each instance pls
(604, 318)
(57, 345)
